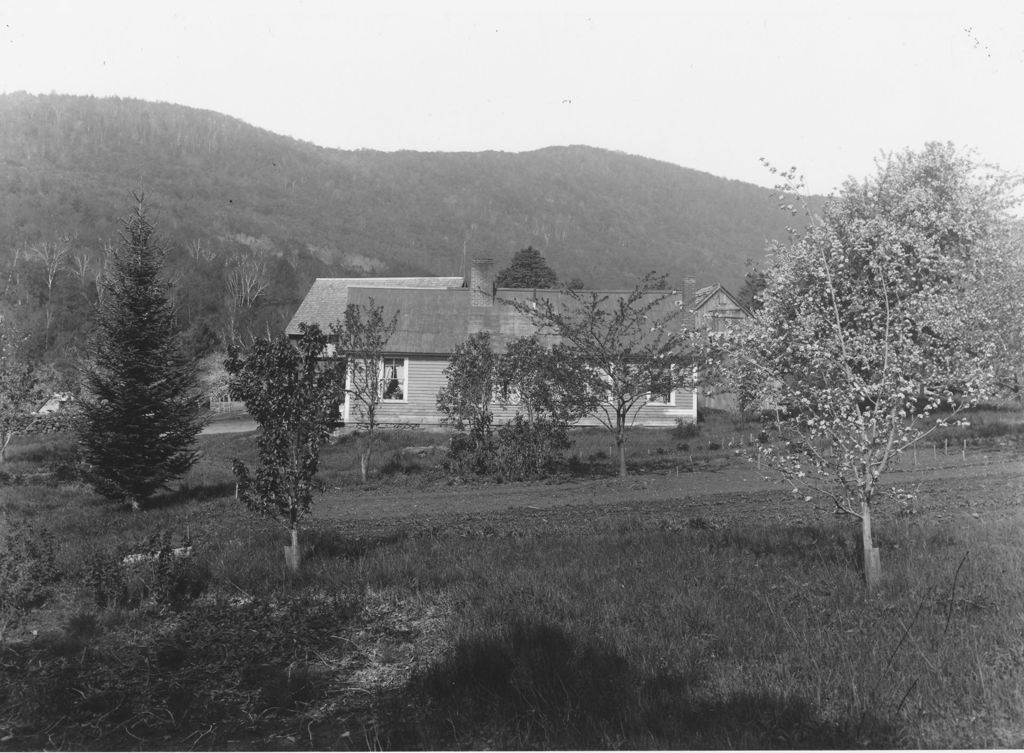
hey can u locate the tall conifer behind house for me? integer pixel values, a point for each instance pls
(527, 270)
(141, 408)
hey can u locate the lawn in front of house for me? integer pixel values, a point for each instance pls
(557, 627)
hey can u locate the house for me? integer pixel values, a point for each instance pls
(717, 310)
(435, 315)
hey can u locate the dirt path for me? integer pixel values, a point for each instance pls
(984, 485)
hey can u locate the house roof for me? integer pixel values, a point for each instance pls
(704, 294)
(435, 314)
(437, 321)
(429, 321)
(326, 300)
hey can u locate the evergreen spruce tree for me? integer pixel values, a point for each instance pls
(141, 409)
(527, 270)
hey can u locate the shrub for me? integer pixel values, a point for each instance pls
(685, 429)
(526, 450)
(470, 453)
(152, 569)
(399, 462)
(28, 567)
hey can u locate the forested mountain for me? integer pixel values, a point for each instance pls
(230, 199)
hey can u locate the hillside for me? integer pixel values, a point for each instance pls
(68, 166)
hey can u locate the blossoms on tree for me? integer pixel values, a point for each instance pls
(874, 331)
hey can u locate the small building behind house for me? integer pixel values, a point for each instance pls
(715, 309)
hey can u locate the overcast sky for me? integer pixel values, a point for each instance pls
(711, 85)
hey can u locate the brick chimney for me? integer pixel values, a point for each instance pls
(689, 298)
(481, 282)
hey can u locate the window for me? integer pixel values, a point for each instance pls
(506, 394)
(393, 380)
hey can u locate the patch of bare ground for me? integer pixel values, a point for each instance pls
(395, 636)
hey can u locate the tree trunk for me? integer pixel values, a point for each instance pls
(292, 556)
(364, 456)
(622, 457)
(872, 559)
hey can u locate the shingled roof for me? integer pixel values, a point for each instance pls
(429, 321)
(703, 294)
(326, 300)
(436, 314)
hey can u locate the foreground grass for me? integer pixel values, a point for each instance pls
(638, 633)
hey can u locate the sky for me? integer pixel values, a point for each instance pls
(715, 86)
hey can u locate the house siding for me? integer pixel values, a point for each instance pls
(426, 377)
(659, 416)
(719, 312)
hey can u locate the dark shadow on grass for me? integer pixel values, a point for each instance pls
(536, 686)
(188, 493)
(327, 543)
(827, 543)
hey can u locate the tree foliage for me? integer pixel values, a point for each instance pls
(141, 404)
(541, 385)
(749, 294)
(871, 335)
(546, 389)
(1002, 301)
(292, 394)
(22, 390)
(625, 350)
(465, 403)
(527, 270)
(361, 339)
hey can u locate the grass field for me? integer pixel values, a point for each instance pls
(594, 625)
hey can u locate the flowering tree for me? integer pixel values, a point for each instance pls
(871, 335)
(1003, 302)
